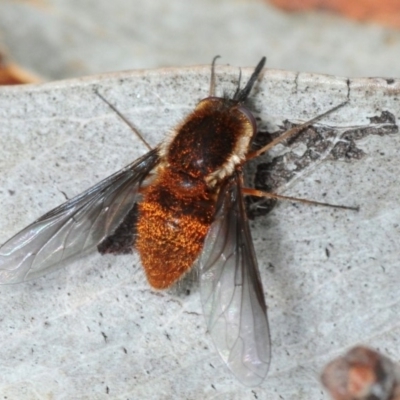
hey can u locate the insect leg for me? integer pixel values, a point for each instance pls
(259, 193)
(134, 129)
(292, 132)
(212, 80)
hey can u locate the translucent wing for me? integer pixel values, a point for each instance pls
(231, 290)
(75, 227)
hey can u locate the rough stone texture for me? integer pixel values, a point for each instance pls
(95, 330)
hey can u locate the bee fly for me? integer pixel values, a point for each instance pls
(180, 203)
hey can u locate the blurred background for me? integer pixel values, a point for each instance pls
(56, 39)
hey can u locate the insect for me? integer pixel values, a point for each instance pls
(180, 204)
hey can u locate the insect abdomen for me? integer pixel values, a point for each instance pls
(172, 226)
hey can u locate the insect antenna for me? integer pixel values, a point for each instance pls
(241, 95)
(122, 116)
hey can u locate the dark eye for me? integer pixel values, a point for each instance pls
(249, 115)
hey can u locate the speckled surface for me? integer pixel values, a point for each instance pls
(95, 330)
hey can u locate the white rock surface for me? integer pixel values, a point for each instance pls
(95, 330)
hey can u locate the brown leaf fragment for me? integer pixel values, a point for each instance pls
(385, 12)
(362, 374)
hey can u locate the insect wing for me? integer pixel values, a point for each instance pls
(74, 227)
(231, 290)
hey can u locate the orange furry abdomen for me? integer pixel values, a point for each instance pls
(174, 218)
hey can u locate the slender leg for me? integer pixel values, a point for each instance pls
(124, 119)
(259, 193)
(292, 132)
(212, 80)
